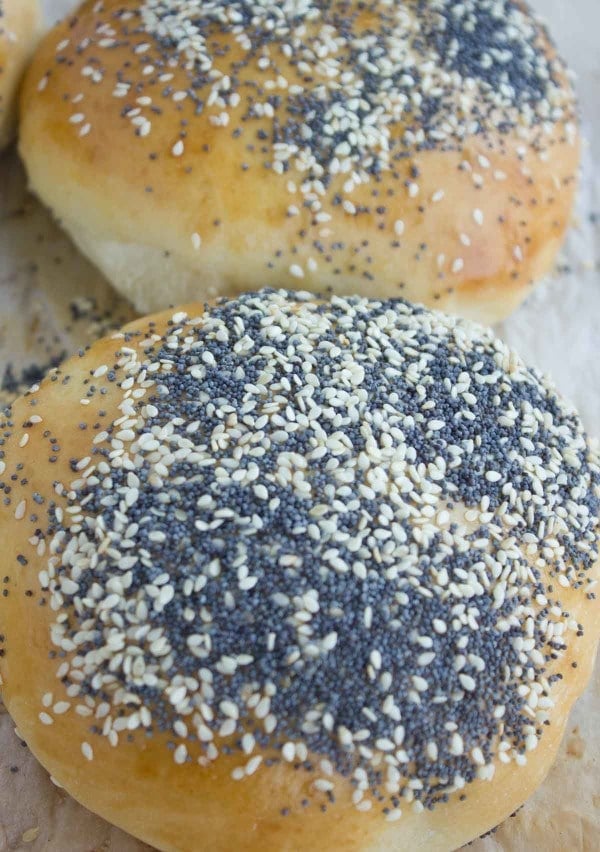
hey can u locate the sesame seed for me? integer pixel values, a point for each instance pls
(467, 682)
(323, 785)
(394, 815)
(253, 764)
(87, 751)
(180, 754)
(296, 271)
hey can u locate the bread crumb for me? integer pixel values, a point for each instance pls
(30, 835)
(576, 747)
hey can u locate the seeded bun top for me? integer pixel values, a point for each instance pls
(426, 150)
(298, 566)
(19, 28)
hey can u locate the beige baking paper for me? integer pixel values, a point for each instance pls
(52, 301)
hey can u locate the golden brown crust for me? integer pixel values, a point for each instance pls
(138, 786)
(486, 221)
(19, 28)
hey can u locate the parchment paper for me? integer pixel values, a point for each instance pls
(52, 301)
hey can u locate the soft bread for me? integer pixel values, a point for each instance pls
(19, 28)
(222, 432)
(424, 150)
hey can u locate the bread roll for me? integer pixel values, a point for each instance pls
(280, 570)
(19, 28)
(424, 150)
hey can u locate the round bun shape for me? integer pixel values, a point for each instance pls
(279, 569)
(19, 27)
(193, 149)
